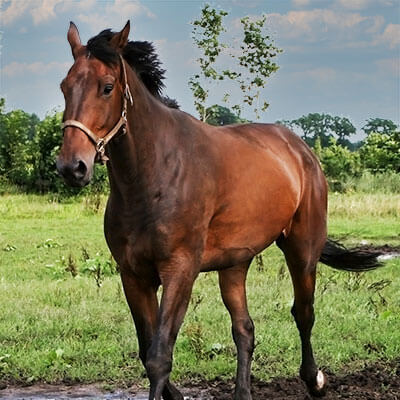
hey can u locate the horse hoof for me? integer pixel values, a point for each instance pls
(170, 392)
(319, 386)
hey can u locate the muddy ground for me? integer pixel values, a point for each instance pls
(379, 381)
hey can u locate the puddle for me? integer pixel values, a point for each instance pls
(90, 392)
(48, 392)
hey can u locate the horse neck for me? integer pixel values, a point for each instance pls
(134, 156)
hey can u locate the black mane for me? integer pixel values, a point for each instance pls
(141, 56)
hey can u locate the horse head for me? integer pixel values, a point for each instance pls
(96, 96)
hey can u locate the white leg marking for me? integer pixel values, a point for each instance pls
(320, 380)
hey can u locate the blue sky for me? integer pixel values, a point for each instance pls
(340, 56)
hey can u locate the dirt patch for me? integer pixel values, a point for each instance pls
(384, 249)
(376, 382)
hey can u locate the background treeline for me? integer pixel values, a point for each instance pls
(28, 148)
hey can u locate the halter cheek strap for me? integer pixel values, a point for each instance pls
(101, 142)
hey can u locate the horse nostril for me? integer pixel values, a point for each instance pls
(81, 169)
(74, 171)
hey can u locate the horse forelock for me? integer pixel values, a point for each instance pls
(140, 55)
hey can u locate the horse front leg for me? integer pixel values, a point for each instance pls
(177, 278)
(141, 296)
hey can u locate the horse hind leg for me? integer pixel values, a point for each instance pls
(302, 250)
(233, 290)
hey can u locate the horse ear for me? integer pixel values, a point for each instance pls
(120, 40)
(74, 39)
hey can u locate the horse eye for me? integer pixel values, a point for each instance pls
(108, 88)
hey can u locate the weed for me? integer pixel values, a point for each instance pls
(194, 333)
(259, 262)
(49, 244)
(378, 301)
(354, 281)
(4, 360)
(71, 266)
(93, 203)
(85, 254)
(58, 269)
(99, 267)
(9, 247)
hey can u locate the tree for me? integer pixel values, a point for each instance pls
(381, 152)
(338, 163)
(46, 146)
(206, 32)
(379, 125)
(17, 131)
(253, 61)
(313, 126)
(343, 129)
(219, 115)
(324, 127)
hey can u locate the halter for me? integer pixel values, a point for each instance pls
(100, 142)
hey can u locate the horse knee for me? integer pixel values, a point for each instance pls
(243, 334)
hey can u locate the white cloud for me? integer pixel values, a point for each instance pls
(318, 75)
(363, 4)
(37, 68)
(354, 4)
(311, 23)
(115, 14)
(345, 28)
(377, 23)
(300, 3)
(390, 36)
(15, 10)
(44, 10)
(389, 65)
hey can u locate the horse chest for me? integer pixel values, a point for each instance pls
(136, 248)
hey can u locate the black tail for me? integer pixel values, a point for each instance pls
(337, 256)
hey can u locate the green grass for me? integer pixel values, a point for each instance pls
(55, 327)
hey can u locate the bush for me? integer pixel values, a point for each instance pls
(338, 164)
(28, 149)
(48, 137)
(17, 128)
(381, 152)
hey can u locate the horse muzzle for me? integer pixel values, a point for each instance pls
(76, 173)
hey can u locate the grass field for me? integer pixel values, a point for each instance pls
(63, 316)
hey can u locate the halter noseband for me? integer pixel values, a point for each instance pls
(100, 142)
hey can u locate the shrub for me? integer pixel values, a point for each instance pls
(338, 164)
(381, 152)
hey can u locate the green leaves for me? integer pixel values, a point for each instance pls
(28, 149)
(379, 125)
(253, 61)
(381, 152)
(205, 33)
(323, 127)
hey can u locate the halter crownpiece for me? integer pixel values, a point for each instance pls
(101, 142)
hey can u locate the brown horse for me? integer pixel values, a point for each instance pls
(187, 197)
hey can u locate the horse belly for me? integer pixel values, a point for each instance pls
(257, 202)
(239, 233)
